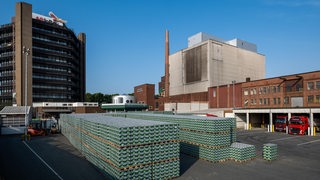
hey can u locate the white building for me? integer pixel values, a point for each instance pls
(210, 61)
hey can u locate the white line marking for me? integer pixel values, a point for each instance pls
(285, 138)
(43, 161)
(308, 142)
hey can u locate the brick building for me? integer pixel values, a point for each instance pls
(144, 94)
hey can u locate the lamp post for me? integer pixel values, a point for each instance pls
(26, 52)
(233, 94)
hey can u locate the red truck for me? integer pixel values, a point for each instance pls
(281, 123)
(298, 125)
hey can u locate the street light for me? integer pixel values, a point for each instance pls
(233, 94)
(26, 52)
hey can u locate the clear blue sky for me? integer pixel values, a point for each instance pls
(125, 38)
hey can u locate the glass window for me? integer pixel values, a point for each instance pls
(286, 100)
(279, 100)
(310, 85)
(246, 92)
(254, 91)
(288, 88)
(260, 101)
(310, 99)
(274, 100)
(246, 102)
(318, 85)
(317, 99)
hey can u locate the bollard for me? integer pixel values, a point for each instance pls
(309, 131)
(250, 127)
(314, 131)
(272, 128)
(287, 130)
(268, 128)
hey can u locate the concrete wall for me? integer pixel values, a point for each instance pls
(186, 107)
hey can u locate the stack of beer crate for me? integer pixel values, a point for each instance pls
(270, 151)
(207, 138)
(125, 148)
(241, 152)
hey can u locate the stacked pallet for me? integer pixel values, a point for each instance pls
(207, 138)
(125, 148)
(241, 152)
(270, 151)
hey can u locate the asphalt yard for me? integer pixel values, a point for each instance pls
(53, 157)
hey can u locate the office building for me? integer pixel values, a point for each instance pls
(41, 57)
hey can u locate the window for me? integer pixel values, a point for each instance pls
(264, 90)
(260, 101)
(310, 85)
(318, 85)
(278, 89)
(317, 99)
(286, 100)
(288, 88)
(251, 91)
(246, 102)
(251, 101)
(214, 93)
(264, 101)
(254, 91)
(274, 100)
(246, 92)
(310, 99)
(279, 100)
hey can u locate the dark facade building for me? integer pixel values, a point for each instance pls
(41, 57)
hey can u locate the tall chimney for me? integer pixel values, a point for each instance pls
(167, 83)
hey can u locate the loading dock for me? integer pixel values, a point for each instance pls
(265, 118)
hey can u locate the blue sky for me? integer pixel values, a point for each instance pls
(125, 38)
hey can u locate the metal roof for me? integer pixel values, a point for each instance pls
(15, 110)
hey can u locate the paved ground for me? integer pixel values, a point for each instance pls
(17, 161)
(299, 158)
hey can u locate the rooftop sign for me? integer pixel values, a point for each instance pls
(52, 19)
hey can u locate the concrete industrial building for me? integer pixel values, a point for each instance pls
(208, 61)
(45, 49)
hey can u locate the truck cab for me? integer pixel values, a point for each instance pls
(281, 123)
(299, 125)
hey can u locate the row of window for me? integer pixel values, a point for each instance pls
(52, 87)
(262, 90)
(52, 96)
(51, 68)
(5, 35)
(5, 44)
(5, 63)
(314, 99)
(6, 82)
(51, 50)
(43, 38)
(6, 73)
(313, 85)
(51, 58)
(49, 31)
(266, 101)
(6, 54)
(57, 78)
(6, 91)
